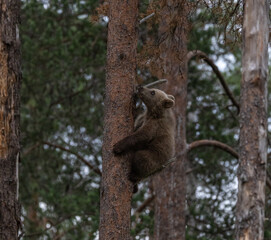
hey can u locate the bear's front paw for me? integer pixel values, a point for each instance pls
(134, 178)
(117, 148)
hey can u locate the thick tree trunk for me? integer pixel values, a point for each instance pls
(170, 184)
(116, 189)
(10, 78)
(253, 123)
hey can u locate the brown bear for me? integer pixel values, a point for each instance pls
(153, 143)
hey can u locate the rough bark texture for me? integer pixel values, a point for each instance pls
(253, 123)
(116, 189)
(170, 185)
(10, 77)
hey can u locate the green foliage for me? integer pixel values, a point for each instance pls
(62, 98)
(212, 184)
(62, 104)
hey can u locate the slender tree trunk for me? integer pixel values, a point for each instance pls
(253, 122)
(10, 78)
(170, 184)
(116, 189)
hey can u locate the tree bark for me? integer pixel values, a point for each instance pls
(116, 189)
(10, 79)
(170, 184)
(253, 122)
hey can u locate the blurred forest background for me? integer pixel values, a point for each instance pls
(63, 65)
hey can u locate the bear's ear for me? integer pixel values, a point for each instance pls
(168, 103)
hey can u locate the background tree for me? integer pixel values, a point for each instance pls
(62, 108)
(170, 185)
(170, 34)
(10, 80)
(62, 111)
(253, 122)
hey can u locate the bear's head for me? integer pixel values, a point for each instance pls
(155, 100)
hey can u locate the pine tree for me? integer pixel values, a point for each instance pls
(253, 122)
(10, 79)
(170, 185)
(116, 189)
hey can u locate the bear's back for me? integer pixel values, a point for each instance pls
(163, 141)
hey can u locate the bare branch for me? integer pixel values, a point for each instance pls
(158, 82)
(75, 154)
(70, 96)
(231, 113)
(202, 55)
(203, 143)
(51, 225)
(146, 18)
(30, 149)
(144, 204)
(222, 146)
(188, 171)
(214, 143)
(61, 235)
(163, 166)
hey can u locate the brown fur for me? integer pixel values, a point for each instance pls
(152, 144)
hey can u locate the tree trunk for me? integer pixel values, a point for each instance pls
(253, 122)
(10, 78)
(116, 189)
(170, 184)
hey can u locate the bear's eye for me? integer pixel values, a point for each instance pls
(152, 92)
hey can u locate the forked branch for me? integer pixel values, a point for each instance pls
(210, 62)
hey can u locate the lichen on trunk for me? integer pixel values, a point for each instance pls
(253, 122)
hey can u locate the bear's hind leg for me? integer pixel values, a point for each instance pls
(143, 164)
